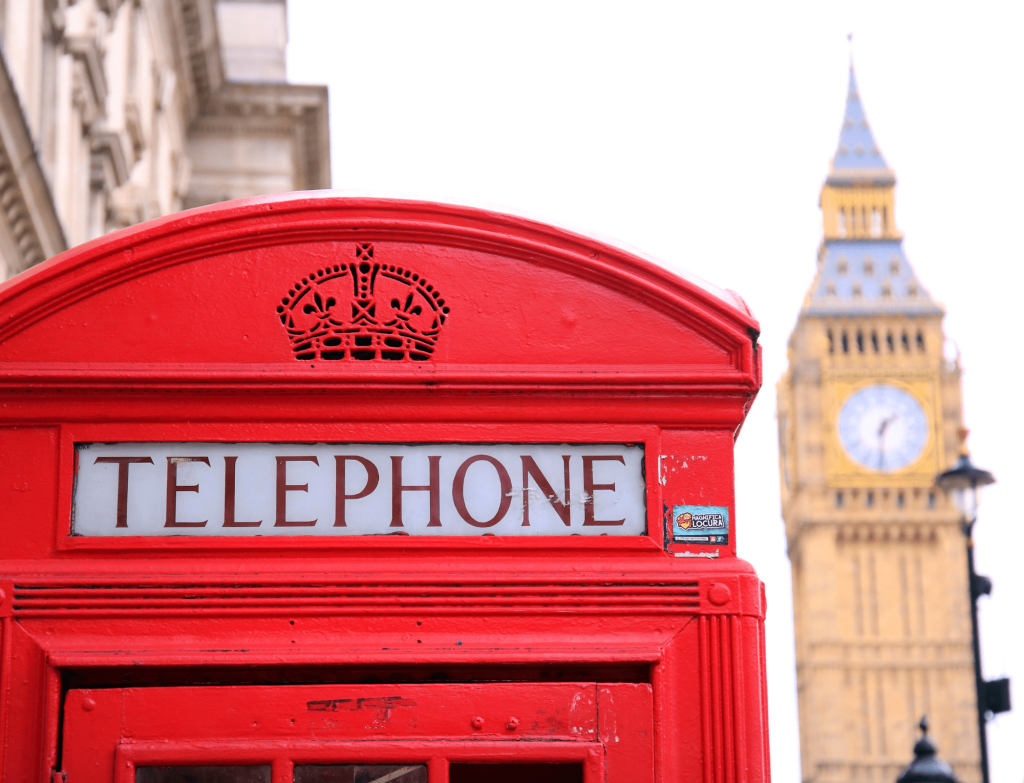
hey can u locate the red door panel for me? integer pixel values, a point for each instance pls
(359, 712)
(109, 733)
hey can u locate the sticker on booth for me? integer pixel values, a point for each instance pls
(700, 524)
(267, 489)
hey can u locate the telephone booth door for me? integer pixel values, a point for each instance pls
(457, 732)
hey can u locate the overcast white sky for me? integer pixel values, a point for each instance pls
(700, 133)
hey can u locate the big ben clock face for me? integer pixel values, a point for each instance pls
(883, 428)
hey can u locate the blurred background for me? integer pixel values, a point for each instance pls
(698, 134)
(701, 134)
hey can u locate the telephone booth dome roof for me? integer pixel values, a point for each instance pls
(319, 290)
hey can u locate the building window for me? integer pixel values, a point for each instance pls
(846, 343)
(906, 342)
(889, 340)
(870, 499)
(894, 266)
(874, 340)
(886, 291)
(830, 290)
(841, 222)
(839, 500)
(931, 500)
(885, 218)
(869, 266)
(860, 341)
(856, 289)
(841, 266)
(912, 289)
(900, 499)
(920, 342)
(831, 342)
(876, 223)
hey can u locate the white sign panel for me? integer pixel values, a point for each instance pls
(269, 489)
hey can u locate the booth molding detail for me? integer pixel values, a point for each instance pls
(723, 347)
(94, 600)
(436, 377)
(732, 706)
(657, 594)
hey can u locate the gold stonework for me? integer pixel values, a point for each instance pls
(880, 594)
(860, 206)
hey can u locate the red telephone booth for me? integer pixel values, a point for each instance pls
(321, 489)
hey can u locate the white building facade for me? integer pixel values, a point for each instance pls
(117, 111)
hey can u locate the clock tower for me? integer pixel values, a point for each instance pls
(869, 412)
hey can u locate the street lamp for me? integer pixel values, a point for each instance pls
(927, 767)
(963, 480)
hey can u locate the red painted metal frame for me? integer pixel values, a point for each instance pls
(167, 332)
(606, 728)
(588, 754)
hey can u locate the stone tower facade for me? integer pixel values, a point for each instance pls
(869, 413)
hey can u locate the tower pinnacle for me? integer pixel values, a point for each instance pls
(861, 265)
(858, 159)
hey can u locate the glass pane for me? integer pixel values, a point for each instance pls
(360, 773)
(233, 774)
(515, 773)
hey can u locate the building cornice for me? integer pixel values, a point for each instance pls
(276, 108)
(28, 213)
(198, 51)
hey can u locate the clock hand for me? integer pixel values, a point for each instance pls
(882, 427)
(885, 424)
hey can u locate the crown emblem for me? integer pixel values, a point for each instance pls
(363, 310)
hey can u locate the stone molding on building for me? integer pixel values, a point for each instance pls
(117, 111)
(30, 230)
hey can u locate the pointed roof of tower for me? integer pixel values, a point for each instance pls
(866, 273)
(857, 157)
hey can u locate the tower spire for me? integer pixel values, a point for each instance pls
(858, 159)
(861, 265)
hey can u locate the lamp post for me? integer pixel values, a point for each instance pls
(963, 480)
(927, 767)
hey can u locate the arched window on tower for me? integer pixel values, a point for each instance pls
(885, 219)
(841, 222)
(876, 223)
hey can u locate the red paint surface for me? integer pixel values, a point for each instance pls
(168, 332)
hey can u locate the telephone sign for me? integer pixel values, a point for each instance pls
(440, 489)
